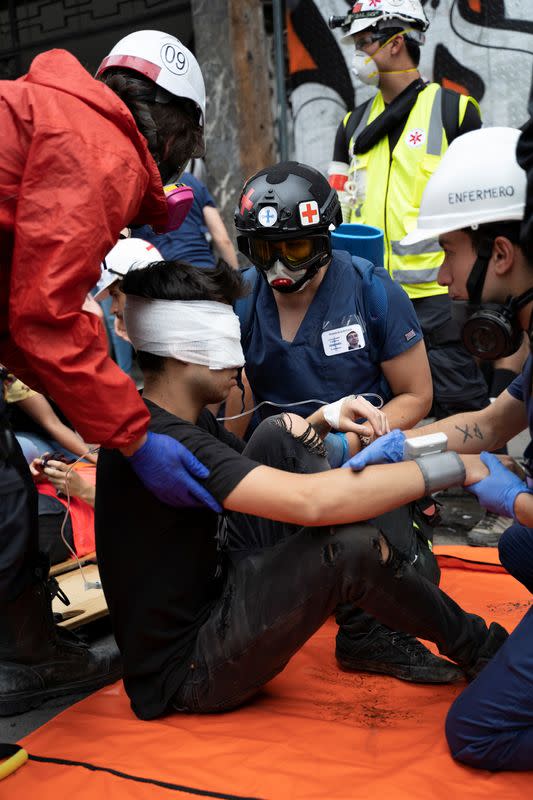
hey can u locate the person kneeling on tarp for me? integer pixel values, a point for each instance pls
(488, 270)
(200, 627)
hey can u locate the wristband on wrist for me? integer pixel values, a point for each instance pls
(441, 470)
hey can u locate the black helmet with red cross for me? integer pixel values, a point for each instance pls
(287, 201)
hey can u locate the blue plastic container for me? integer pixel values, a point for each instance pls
(364, 241)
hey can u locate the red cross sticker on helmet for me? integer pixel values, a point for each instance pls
(309, 213)
(246, 201)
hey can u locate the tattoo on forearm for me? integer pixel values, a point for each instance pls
(466, 432)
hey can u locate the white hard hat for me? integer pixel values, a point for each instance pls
(126, 254)
(478, 181)
(162, 58)
(369, 13)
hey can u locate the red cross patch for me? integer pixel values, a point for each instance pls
(246, 202)
(309, 213)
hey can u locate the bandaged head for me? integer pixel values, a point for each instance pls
(194, 331)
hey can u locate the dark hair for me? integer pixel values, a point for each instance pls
(412, 47)
(172, 130)
(484, 233)
(176, 280)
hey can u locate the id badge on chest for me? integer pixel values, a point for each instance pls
(343, 340)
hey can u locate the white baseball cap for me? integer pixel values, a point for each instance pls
(126, 254)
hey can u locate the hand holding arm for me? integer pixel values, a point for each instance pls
(499, 490)
(170, 472)
(387, 449)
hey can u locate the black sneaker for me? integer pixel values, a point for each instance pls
(388, 652)
(496, 637)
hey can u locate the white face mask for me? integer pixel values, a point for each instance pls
(365, 68)
(279, 277)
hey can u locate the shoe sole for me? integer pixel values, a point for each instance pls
(397, 671)
(484, 540)
(19, 704)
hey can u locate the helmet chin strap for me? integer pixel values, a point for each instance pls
(476, 281)
(478, 273)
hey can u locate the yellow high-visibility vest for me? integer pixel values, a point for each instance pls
(389, 187)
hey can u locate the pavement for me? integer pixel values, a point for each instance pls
(459, 513)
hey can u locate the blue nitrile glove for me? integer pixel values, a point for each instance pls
(169, 471)
(387, 449)
(497, 492)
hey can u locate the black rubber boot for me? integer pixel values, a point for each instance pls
(389, 652)
(39, 661)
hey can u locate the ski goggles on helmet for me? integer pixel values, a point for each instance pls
(294, 254)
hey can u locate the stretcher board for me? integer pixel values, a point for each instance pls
(71, 564)
(314, 733)
(85, 605)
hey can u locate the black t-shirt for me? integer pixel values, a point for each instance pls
(160, 566)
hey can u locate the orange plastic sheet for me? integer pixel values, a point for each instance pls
(315, 733)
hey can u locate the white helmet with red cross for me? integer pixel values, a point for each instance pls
(164, 60)
(366, 14)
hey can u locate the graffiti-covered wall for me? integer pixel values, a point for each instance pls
(480, 47)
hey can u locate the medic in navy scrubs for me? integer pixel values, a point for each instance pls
(298, 326)
(307, 300)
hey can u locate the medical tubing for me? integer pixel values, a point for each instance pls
(86, 584)
(441, 470)
(298, 403)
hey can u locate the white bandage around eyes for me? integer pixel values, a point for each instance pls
(194, 331)
(332, 412)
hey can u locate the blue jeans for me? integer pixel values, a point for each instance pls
(490, 725)
(34, 446)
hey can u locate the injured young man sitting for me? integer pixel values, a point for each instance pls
(207, 608)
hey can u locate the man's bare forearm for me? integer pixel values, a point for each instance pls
(405, 410)
(467, 433)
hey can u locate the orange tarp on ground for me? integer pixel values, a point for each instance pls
(315, 733)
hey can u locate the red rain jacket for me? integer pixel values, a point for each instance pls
(74, 170)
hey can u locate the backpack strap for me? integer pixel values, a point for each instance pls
(355, 121)
(373, 298)
(450, 109)
(245, 306)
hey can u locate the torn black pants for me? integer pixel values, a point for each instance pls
(276, 596)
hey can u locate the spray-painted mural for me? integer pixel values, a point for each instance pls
(480, 47)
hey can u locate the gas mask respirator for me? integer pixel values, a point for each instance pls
(489, 330)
